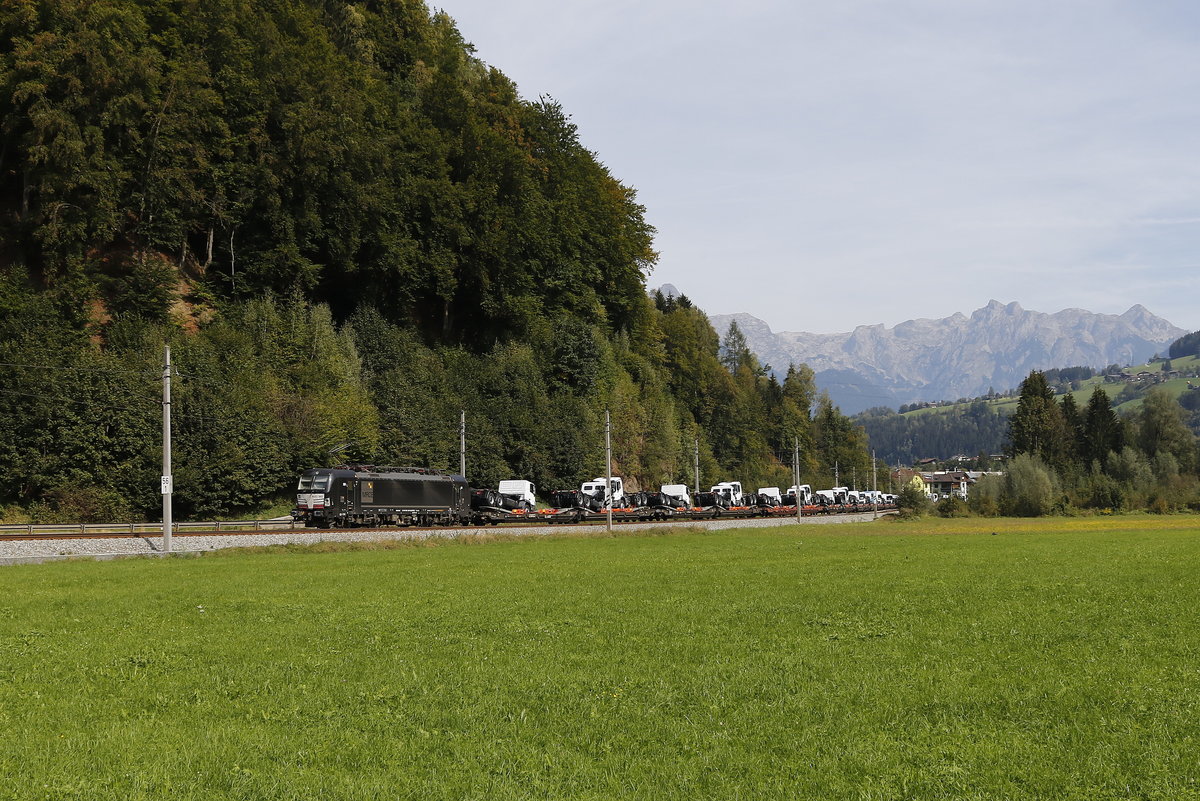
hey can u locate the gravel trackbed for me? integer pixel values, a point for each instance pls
(33, 551)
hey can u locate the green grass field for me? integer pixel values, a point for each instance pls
(1056, 659)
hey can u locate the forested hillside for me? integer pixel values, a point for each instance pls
(349, 229)
(903, 439)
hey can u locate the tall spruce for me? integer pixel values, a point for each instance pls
(1037, 427)
(1102, 433)
(1072, 428)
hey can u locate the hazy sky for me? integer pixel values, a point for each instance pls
(828, 164)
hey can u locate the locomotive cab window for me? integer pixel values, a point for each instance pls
(315, 483)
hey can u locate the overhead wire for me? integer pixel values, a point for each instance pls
(66, 399)
(77, 368)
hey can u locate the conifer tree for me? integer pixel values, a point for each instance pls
(1037, 427)
(1073, 428)
(735, 351)
(1102, 433)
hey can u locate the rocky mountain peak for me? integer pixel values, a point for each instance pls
(957, 356)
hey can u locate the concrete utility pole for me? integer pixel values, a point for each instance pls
(796, 475)
(874, 488)
(608, 493)
(696, 464)
(462, 444)
(836, 481)
(166, 459)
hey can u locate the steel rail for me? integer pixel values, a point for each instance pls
(125, 530)
(96, 531)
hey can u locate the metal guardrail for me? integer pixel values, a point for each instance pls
(149, 529)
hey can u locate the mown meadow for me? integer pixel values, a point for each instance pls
(929, 659)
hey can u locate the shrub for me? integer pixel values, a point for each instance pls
(1158, 504)
(912, 502)
(1102, 492)
(1030, 488)
(82, 504)
(984, 499)
(953, 506)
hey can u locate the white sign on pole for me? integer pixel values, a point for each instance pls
(166, 485)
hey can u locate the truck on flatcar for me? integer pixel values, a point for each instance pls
(678, 495)
(615, 496)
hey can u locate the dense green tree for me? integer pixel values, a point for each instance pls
(1161, 430)
(1073, 422)
(841, 446)
(912, 501)
(1102, 432)
(735, 351)
(1102, 491)
(1031, 488)
(1130, 467)
(790, 411)
(79, 425)
(1037, 427)
(985, 497)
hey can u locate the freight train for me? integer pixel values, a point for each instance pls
(368, 495)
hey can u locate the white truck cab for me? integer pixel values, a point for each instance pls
(524, 492)
(595, 488)
(678, 491)
(729, 491)
(772, 494)
(805, 496)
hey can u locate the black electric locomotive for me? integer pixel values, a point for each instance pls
(366, 495)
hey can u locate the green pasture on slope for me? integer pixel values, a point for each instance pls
(1173, 387)
(1051, 659)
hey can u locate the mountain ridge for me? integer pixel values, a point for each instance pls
(961, 355)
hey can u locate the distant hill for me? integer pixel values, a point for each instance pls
(981, 425)
(956, 356)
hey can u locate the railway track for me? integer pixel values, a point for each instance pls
(265, 528)
(92, 531)
(25, 536)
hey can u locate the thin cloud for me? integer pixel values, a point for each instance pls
(898, 159)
